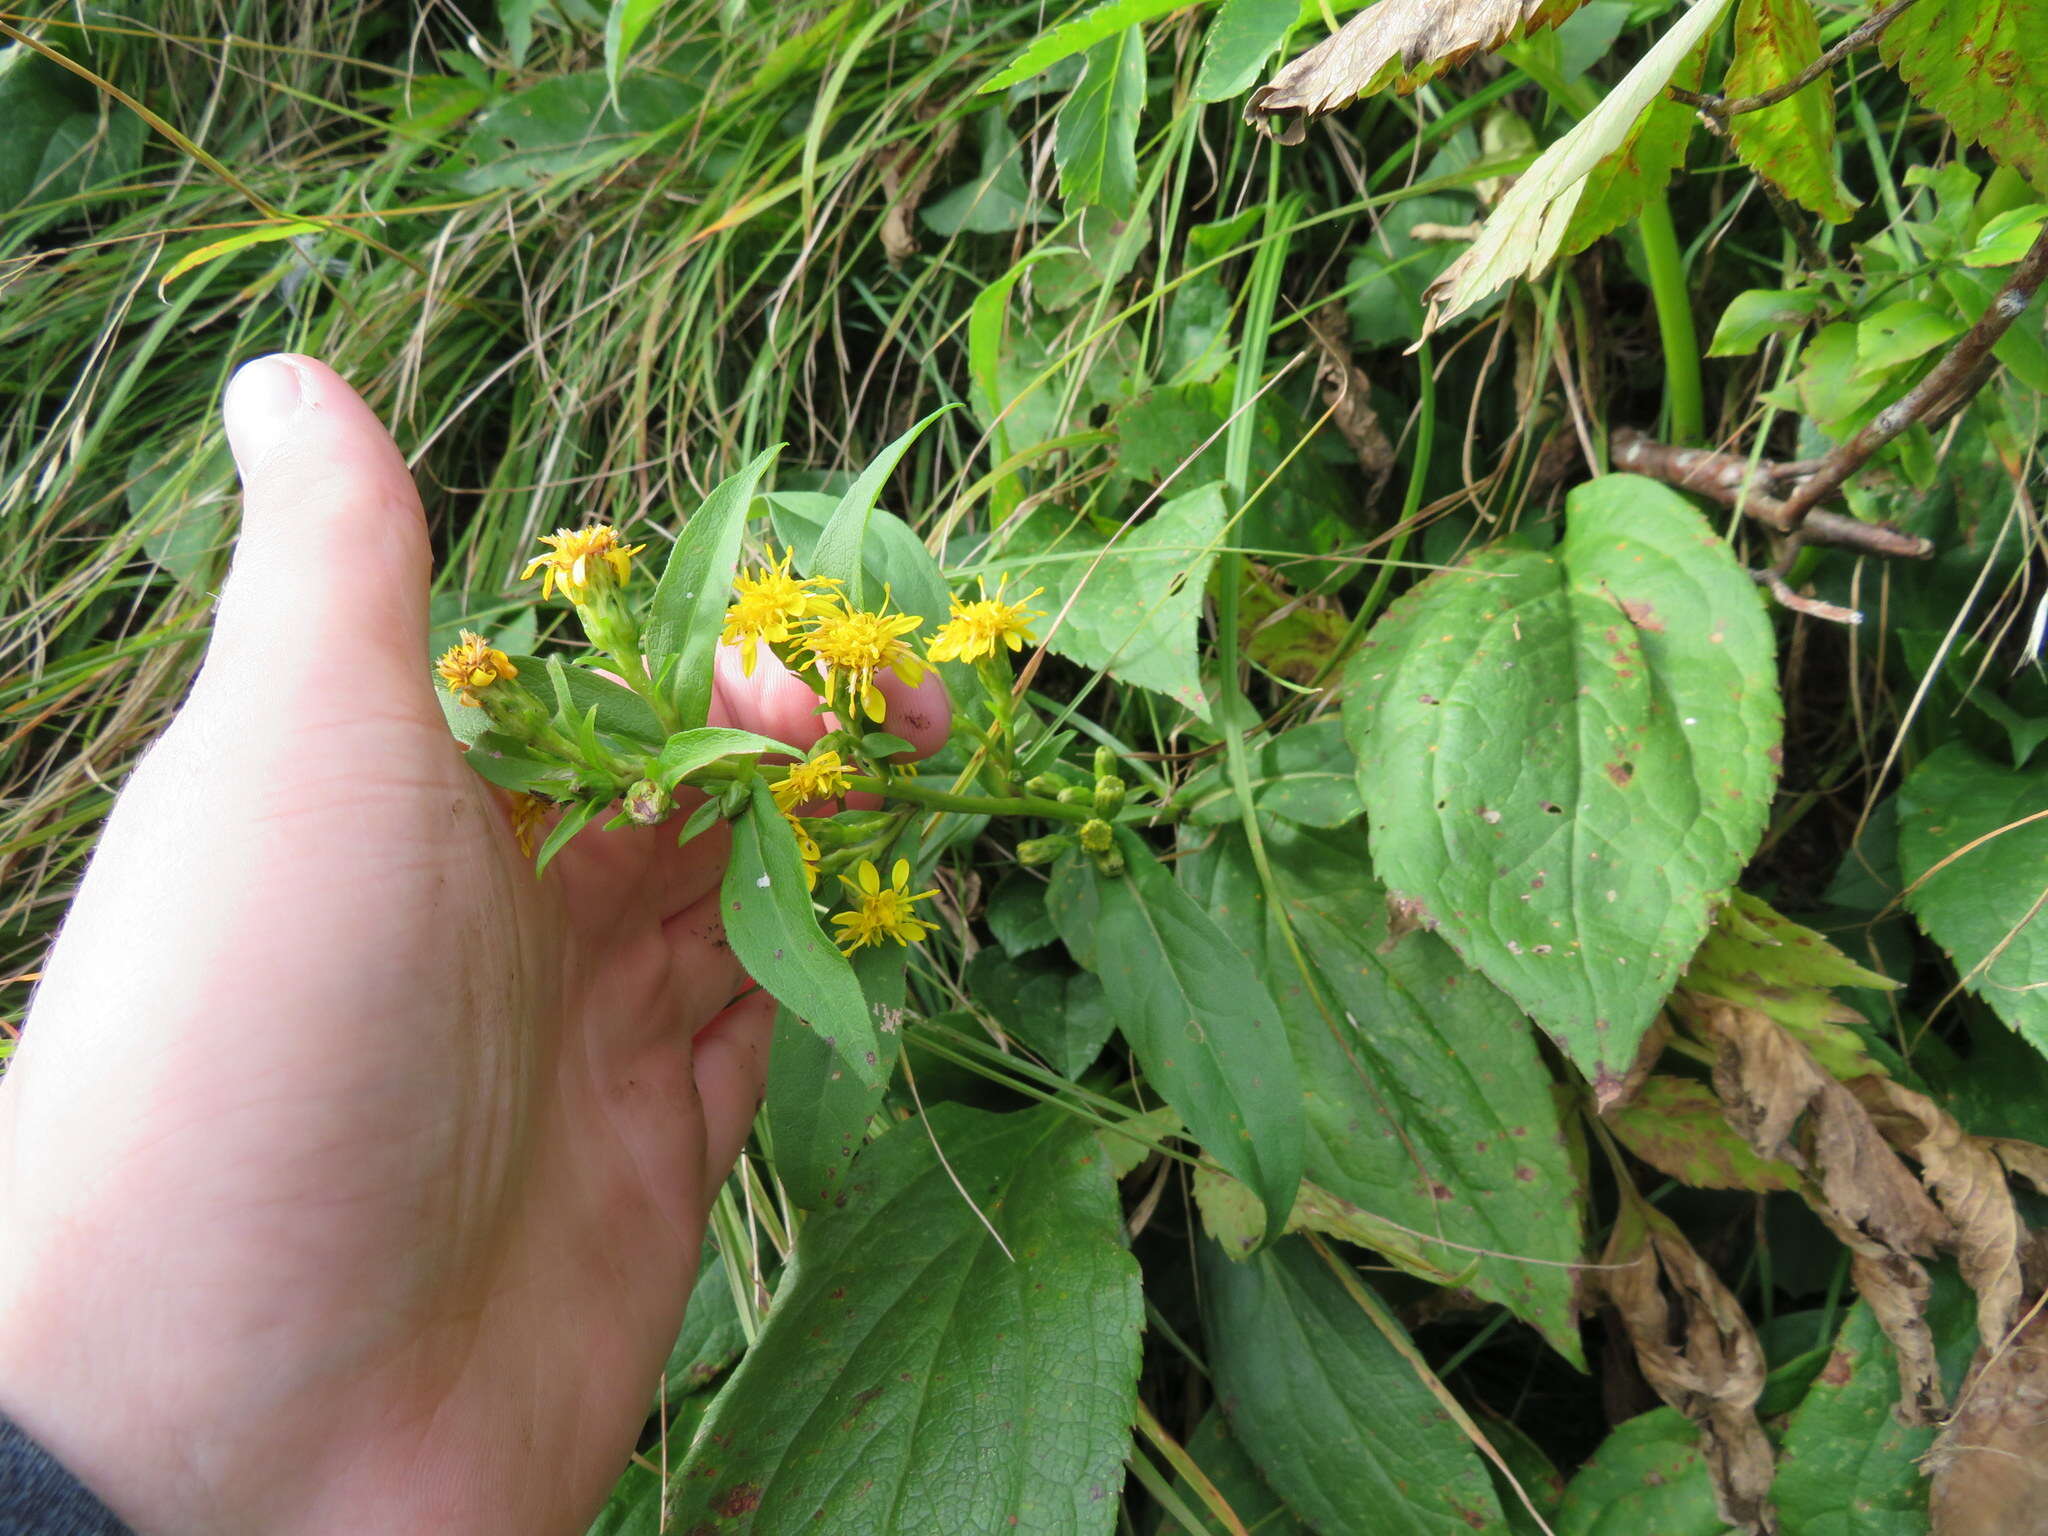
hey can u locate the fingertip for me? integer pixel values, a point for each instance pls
(731, 1053)
(770, 701)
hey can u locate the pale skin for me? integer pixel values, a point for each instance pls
(351, 1178)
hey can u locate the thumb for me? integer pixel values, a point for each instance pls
(330, 570)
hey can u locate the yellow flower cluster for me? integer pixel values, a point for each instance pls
(470, 664)
(881, 911)
(853, 646)
(582, 561)
(824, 777)
(982, 627)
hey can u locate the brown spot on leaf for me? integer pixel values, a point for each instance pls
(1621, 771)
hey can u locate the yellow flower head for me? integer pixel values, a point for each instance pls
(824, 777)
(769, 606)
(978, 628)
(881, 911)
(806, 849)
(473, 663)
(854, 645)
(584, 561)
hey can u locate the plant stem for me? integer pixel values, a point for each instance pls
(972, 805)
(1684, 409)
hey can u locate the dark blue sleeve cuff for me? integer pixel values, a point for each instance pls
(39, 1498)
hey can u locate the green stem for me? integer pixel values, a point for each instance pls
(1411, 503)
(1684, 408)
(971, 805)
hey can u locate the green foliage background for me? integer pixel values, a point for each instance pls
(1280, 1182)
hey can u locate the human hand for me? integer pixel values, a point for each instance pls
(351, 1178)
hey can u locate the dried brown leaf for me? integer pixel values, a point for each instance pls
(1347, 395)
(1396, 42)
(2024, 1158)
(1968, 1181)
(1699, 1351)
(1991, 1464)
(906, 177)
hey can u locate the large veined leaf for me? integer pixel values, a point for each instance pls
(1983, 67)
(1095, 136)
(1241, 38)
(1131, 607)
(1791, 145)
(1525, 231)
(1396, 42)
(914, 1376)
(1333, 1414)
(1983, 906)
(1848, 1467)
(1567, 757)
(1200, 1021)
(1647, 1476)
(1427, 1104)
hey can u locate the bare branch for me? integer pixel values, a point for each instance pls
(1861, 37)
(1813, 607)
(1757, 490)
(1953, 381)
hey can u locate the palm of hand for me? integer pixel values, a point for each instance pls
(334, 1125)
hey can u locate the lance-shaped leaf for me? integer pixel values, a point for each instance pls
(1330, 1410)
(840, 547)
(818, 1110)
(771, 926)
(1200, 1021)
(1241, 39)
(1641, 166)
(1566, 758)
(1790, 145)
(1984, 68)
(688, 751)
(935, 1365)
(1425, 1101)
(1400, 43)
(689, 604)
(1977, 870)
(1527, 228)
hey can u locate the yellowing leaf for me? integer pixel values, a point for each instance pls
(1531, 221)
(1982, 66)
(1397, 42)
(263, 234)
(1790, 145)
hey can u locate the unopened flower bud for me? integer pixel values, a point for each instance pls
(1044, 785)
(1110, 863)
(1073, 794)
(1105, 762)
(1109, 795)
(647, 803)
(1097, 836)
(1043, 850)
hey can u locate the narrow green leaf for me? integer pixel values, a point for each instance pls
(1791, 145)
(1329, 1409)
(1244, 35)
(775, 933)
(918, 1375)
(1095, 136)
(1072, 37)
(711, 1338)
(1901, 332)
(1981, 66)
(579, 690)
(622, 29)
(1566, 758)
(1201, 1023)
(689, 604)
(1984, 906)
(687, 751)
(841, 547)
(215, 250)
(1642, 165)
(818, 1112)
(574, 820)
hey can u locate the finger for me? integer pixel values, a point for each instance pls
(639, 874)
(770, 701)
(332, 562)
(921, 713)
(732, 1074)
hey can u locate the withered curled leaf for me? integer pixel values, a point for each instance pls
(1697, 1348)
(1396, 42)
